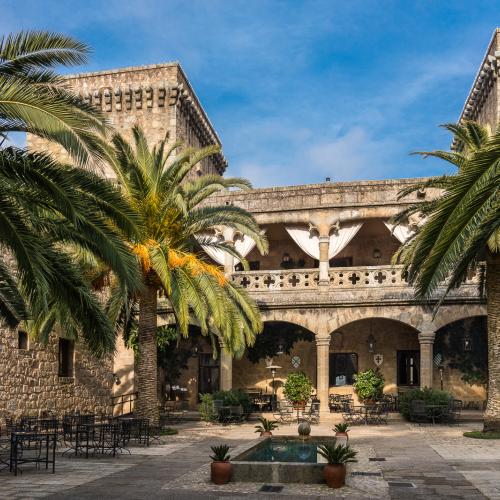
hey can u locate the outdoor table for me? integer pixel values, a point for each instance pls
(224, 413)
(260, 404)
(434, 411)
(45, 438)
(363, 411)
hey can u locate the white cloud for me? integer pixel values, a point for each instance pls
(353, 155)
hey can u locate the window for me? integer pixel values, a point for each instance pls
(342, 368)
(22, 340)
(66, 352)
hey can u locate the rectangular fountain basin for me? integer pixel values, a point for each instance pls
(281, 459)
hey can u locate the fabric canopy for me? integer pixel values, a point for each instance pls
(402, 232)
(309, 243)
(243, 245)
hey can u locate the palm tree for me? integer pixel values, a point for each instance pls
(461, 229)
(49, 211)
(173, 222)
(35, 99)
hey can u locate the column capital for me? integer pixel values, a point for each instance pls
(426, 337)
(323, 340)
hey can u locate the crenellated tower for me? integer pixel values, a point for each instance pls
(157, 97)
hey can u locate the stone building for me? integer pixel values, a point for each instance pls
(327, 280)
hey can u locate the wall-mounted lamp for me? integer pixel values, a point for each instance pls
(371, 343)
(377, 253)
(467, 342)
(117, 379)
(286, 257)
(281, 348)
(194, 351)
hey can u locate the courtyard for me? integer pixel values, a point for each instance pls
(397, 460)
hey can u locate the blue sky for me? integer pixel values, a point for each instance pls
(298, 90)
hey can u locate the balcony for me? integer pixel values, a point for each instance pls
(346, 285)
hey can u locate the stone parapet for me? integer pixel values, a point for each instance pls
(347, 285)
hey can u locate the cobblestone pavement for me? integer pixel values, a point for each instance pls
(427, 462)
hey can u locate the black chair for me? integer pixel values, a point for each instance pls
(418, 411)
(312, 414)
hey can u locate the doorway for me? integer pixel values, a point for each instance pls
(408, 368)
(208, 374)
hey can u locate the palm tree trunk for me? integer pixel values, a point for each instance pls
(147, 365)
(492, 413)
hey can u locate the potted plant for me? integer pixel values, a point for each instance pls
(369, 386)
(266, 426)
(341, 431)
(220, 468)
(337, 456)
(297, 389)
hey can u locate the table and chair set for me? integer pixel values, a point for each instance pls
(368, 413)
(34, 440)
(287, 413)
(428, 412)
(229, 414)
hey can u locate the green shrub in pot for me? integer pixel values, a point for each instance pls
(297, 388)
(368, 385)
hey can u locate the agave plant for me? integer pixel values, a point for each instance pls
(266, 425)
(220, 453)
(337, 454)
(342, 427)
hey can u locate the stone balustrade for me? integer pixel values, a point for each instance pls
(357, 277)
(301, 279)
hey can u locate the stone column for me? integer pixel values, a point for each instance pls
(323, 369)
(324, 244)
(226, 369)
(226, 358)
(228, 259)
(426, 340)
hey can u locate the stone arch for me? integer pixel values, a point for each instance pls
(411, 316)
(297, 317)
(450, 314)
(298, 353)
(386, 344)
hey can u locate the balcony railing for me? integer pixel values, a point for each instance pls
(340, 278)
(302, 279)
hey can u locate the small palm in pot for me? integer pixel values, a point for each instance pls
(337, 456)
(266, 426)
(342, 432)
(220, 468)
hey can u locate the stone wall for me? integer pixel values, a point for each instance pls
(29, 381)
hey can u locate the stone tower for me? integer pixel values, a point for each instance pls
(483, 102)
(157, 97)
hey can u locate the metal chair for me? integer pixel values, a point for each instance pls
(311, 414)
(284, 413)
(418, 411)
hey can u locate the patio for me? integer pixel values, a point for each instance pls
(397, 460)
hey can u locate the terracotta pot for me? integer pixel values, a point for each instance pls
(299, 405)
(342, 437)
(334, 475)
(220, 472)
(266, 434)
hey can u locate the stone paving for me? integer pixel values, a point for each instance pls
(427, 462)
